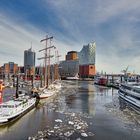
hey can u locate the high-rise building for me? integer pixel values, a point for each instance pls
(87, 60)
(29, 61)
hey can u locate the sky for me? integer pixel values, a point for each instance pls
(114, 25)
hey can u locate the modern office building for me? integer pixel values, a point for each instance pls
(29, 62)
(69, 67)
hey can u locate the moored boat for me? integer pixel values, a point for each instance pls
(52, 89)
(100, 80)
(15, 108)
(130, 93)
(46, 93)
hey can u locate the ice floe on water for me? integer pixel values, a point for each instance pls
(84, 135)
(68, 125)
(125, 112)
(70, 122)
(73, 126)
(58, 120)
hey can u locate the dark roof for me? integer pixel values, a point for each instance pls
(71, 52)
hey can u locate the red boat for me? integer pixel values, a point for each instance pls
(101, 81)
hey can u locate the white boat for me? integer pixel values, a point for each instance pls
(130, 93)
(51, 90)
(15, 108)
(46, 93)
(72, 78)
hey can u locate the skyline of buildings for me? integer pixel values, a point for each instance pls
(76, 64)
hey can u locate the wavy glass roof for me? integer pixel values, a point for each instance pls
(87, 54)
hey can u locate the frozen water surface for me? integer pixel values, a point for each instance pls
(79, 111)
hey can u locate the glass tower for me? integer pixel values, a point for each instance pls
(29, 59)
(87, 54)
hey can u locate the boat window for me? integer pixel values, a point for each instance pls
(10, 106)
(126, 87)
(137, 90)
(20, 92)
(4, 106)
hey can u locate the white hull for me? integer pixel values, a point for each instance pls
(51, 90)
(130, 99)
(72, 78)
(46, 93)
(131, 93)
(16, 112)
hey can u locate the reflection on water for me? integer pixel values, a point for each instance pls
(85, 111)
(122, 104)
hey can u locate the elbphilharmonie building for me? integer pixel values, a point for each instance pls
(79, 63)
(87, 54)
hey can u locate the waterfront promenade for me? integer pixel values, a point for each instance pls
(81, 110)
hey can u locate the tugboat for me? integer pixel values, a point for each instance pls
(17, 106)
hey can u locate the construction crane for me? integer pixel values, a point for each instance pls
(125, 71)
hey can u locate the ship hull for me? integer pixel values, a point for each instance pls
(6, 120)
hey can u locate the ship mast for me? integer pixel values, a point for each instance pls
(46, 57)
(57, 76)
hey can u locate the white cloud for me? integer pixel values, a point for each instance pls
(96, 11)
(113, 24)
(17, 37)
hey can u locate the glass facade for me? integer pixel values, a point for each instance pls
(69, 68)
(87, 54)
(11, 67)
(29, 59)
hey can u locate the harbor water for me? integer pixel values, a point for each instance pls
(81, 110)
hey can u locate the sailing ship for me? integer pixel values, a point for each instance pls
(53, 88)
(49, 88)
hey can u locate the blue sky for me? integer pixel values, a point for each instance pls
(114, 25)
